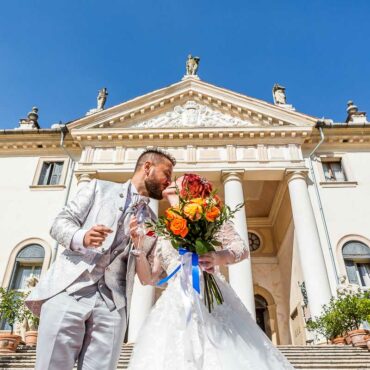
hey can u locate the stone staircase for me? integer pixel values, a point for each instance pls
(25, 358)
(301, 357)
(327, 357)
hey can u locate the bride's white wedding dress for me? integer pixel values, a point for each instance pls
(181, 334)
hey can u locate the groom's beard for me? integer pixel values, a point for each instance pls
(153, 188)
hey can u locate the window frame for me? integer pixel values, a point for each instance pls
(13, 255)
(42, 160)
(348, 174)
(354, 261)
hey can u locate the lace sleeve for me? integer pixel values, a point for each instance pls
(232, 241)
(167, 255)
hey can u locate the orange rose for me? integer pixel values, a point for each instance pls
(171, 214)
(179, 227)
(193, 211)
(212, 214)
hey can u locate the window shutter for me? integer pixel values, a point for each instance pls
(57, 171)
(351, 272)
(45, 173)
(338, 171)
(326, 168)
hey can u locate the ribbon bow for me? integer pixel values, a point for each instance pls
(187, 266)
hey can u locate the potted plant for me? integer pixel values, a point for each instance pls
(367, 341)
(329, 324)
(11, 310)
(355, 309)
(31, 322)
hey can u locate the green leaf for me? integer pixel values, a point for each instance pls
(200, 247)
(216, 243)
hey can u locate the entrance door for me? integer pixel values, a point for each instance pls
(262, 314)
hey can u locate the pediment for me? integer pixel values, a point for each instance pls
(192, 104)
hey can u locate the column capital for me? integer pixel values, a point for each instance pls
(296, 173)
(228, 175)
(84, 177)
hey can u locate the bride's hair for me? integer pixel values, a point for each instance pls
(194, 186)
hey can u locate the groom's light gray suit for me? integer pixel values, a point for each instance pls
(84, 299)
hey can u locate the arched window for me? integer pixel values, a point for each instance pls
(28, 262)
(357, 261)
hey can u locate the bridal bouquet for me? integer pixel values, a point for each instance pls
(192, 224)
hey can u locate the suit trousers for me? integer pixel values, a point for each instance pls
(82, 330)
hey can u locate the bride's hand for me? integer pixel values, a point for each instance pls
(208, 261)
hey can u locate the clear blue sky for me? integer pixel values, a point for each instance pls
(56, 54)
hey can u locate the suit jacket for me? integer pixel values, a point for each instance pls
(98, 202)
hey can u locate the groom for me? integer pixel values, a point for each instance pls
(84, 299)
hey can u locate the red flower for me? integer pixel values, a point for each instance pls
(194, 186)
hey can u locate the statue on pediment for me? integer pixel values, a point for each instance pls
(102, 98)
(192, 65)
(278, 93)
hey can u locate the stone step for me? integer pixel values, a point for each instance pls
(338, 358)
(319, 348)
(342, 366)
(302, 357)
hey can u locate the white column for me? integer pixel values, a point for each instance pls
(142, 298)
(240, 274)
(310, 250)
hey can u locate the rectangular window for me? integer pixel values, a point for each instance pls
(358, 273)
(364, 274)
(50, 173)
(22, 272)
(333, 171)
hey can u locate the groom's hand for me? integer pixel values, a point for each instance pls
(96, 236)
(134, 231)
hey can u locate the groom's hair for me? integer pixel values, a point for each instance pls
(155, 155)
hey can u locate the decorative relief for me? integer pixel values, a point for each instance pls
(192, 114)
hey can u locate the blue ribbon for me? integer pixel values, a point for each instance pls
(195, 270)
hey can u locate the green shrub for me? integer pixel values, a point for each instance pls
(344, 313)
(11, 307)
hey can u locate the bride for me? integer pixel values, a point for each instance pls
(180, 333)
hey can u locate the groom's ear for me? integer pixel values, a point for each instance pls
(147, 165)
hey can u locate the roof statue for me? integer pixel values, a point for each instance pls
(353, 115)
(279, 96)
(192, 65)
(102, 98)
(31, 122)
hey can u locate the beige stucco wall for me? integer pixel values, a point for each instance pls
(346, 208)
(26, 214)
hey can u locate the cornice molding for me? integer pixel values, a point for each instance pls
(33, 142)
(174, 137)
